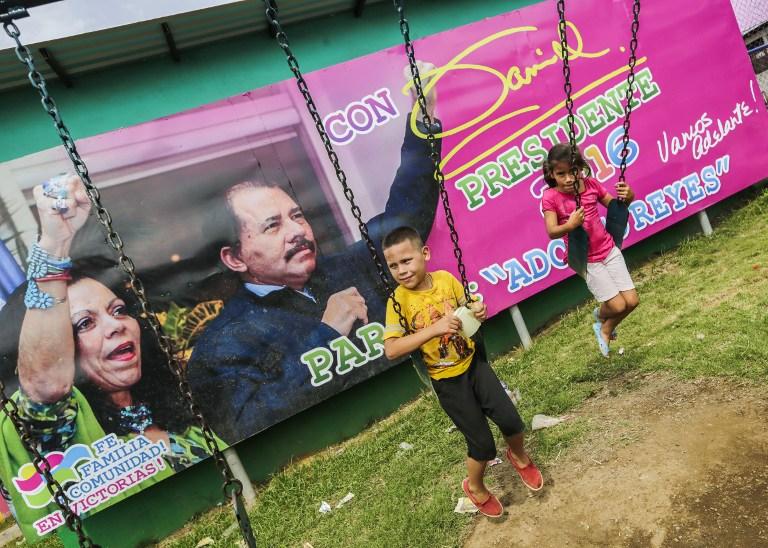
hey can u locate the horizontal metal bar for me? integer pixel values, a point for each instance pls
(28, 3)
(11, 10)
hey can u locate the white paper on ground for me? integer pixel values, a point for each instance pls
(540, 422)
(346, 499)
(514, 395)
(465, 506)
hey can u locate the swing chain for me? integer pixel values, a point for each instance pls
(43, 467)
(231, 486)
(434, 153)
(10, 407)
(630, 85)
(562, 28)
(301, 83)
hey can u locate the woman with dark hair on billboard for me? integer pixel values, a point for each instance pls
(85, 369)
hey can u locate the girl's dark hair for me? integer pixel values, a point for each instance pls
(561, 152)
(157, 387)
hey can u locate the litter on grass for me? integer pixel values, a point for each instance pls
(465, 506)
(540, 422)
(514, 395)
(346, 499)
(326, 508)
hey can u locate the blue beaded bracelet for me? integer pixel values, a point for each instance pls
(42, 264)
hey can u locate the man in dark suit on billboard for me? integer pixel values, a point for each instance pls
(302, 326)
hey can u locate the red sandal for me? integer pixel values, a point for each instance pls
(491, 507)
(530, 474)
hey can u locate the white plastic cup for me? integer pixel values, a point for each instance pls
(469, 324)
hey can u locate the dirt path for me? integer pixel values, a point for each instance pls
(669, 463)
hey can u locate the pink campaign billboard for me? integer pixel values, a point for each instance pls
(698, 131)
(248, 249)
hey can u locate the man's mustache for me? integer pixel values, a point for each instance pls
(300, 246)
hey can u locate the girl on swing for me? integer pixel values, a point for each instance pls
(607, 276)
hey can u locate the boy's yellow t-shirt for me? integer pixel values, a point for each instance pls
(446, 356)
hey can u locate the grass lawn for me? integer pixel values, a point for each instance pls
(702, 313)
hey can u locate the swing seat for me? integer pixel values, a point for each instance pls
(616, 221)
(421, 369)
(578, 248)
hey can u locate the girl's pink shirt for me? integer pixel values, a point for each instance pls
(563, 204)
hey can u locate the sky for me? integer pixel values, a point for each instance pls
(750, 13)
(81, 16)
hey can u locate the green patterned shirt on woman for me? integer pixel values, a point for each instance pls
(69, 421)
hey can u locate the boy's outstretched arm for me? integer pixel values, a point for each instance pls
(397, 347)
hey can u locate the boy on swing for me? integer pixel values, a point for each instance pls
(606, 274)
(466, 386)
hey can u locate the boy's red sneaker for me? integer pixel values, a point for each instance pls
(491, 507)
(530, 474)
